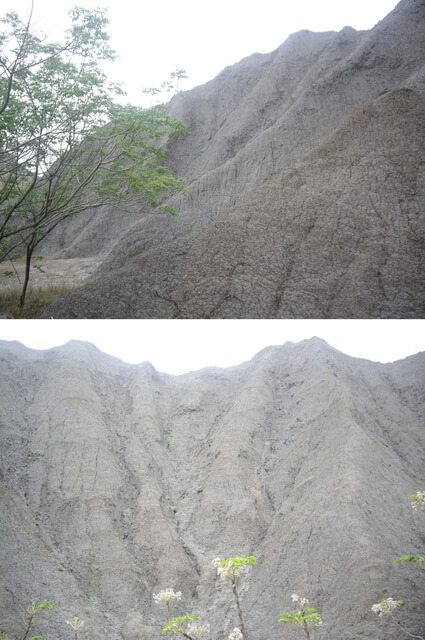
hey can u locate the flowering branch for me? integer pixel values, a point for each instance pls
(418, 500)
(33, 609)
(185, 626)
(231, 569)
(306, 618)
(386, 607)
(76, 623)
(167, 596)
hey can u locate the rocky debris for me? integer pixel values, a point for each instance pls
(305, 171)
(118, 481)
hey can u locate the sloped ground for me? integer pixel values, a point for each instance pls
(283, 252)
(305, 168)
(54, 271)
(118, 481)
(49, 278)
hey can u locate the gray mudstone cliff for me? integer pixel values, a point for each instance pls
(118, 481)
(305, 168)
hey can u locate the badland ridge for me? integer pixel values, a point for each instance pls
(305, 170)
(118, 481)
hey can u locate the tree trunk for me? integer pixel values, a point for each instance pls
(28, 257)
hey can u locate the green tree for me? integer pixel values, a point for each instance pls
(66, 144)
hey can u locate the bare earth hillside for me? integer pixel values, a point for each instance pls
(305, 168)
(118, 481)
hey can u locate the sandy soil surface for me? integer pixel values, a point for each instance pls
(54, 272)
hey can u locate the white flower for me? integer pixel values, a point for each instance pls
(233, 568)
(229, 571)
(386, 606)
(301, 601)
(75, 622)
(167, 595)
(196, 630)
(391, 604)
(418, 500)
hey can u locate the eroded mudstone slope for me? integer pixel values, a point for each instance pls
(118, 481)
(340, 234)
(305, 172)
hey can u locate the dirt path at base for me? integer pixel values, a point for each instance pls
(72, 271)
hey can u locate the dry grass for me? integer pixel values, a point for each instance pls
(54, 279)
(37, 299)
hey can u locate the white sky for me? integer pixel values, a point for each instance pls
(152, 38)
(177, 346)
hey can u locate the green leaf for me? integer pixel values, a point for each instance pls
(410, 558)
(239, 561)
(307, 617)
(45, 606)
(176, 624)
